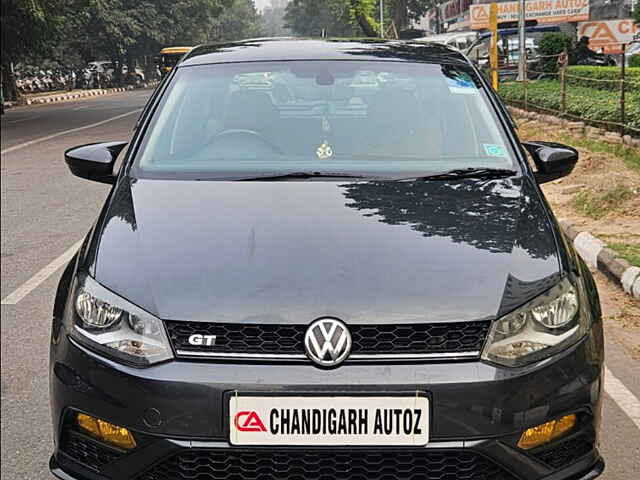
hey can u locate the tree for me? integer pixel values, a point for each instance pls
(305, 16)
(636, 12)
(311, 17)
(122, 30)
(239, 21)
(29, 30)
(273, 19)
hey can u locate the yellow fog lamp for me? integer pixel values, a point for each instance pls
(106, 432)
(547, 432)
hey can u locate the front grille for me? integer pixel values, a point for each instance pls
(232, 339)
(87, 451)
(566, 452)
(255, 464)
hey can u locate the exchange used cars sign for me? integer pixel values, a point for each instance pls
(544, 11)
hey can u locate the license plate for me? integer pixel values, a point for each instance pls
(329, 420)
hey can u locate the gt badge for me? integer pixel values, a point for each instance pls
(202, 340)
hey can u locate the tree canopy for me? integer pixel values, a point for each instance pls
(72, 31)
(29, 28)
(352, 17)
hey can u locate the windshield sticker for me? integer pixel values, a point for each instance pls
(493, 150)
(461, 83)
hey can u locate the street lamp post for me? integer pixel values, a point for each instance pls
(522, 41)
(381, 20)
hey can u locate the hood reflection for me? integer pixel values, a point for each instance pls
(481, 213)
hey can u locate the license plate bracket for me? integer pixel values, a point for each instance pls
(398, 419)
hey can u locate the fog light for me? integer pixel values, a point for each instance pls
(547, 432)
(106, 432)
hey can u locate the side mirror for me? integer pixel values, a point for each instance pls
(94, 161)
(553, 160)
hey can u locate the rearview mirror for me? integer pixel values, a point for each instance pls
(94, 161)
(553, 160)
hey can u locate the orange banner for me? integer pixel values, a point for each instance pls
(608, 36)
(544, 11)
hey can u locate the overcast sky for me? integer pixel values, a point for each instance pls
(260, 4)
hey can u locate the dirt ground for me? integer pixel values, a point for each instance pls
(600, 172)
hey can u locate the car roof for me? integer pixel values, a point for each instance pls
(283, 49)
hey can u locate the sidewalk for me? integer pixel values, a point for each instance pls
(63, 96)
(599, 201)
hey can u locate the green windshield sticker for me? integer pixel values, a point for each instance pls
(461, 82)
(493, 150)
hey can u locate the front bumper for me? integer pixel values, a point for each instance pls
(477, 409)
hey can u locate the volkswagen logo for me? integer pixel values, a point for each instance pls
(327, 342)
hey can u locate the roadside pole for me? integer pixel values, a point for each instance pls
(493, 51)
(381, 19)
(623, 117)
(522, 41)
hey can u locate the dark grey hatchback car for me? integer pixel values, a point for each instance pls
(325, 260)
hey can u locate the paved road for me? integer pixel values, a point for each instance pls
(45, 211)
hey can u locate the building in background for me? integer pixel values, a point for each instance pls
(458, 15)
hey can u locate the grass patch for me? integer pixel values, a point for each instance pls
(629, 251)
(591, 104)
(596, 205)
(631, 156)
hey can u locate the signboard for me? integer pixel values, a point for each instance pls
(453, 9)
(608, 36)
(544, 11)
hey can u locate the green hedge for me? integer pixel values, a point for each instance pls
(591, 104)
(632, 76)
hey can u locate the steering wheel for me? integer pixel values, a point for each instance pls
(249, 136)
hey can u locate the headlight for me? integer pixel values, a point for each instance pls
(538, 329)
(106, 322)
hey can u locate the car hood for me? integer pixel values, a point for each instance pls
(290, 252)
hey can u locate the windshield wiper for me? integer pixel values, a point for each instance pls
(300, 175)
(471, 172)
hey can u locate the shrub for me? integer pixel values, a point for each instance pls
(591, 104)
(634, 61)
(553, 43)
(604, 78)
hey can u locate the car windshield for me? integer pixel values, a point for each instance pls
(382, 119)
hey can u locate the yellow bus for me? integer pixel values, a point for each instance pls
(169, 56)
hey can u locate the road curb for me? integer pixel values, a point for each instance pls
(65, 97)
(596, 253)
(576, 128)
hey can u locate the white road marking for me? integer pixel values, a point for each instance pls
(626, 400)
(64, 132)
(81, 107)
(11, 122)
(31, 284)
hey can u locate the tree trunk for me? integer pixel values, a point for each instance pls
(118, 78)
(9, 89)
(363, 20)
(400, 14)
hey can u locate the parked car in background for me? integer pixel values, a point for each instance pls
(458, 40)
(632, 52)
(509, 50)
